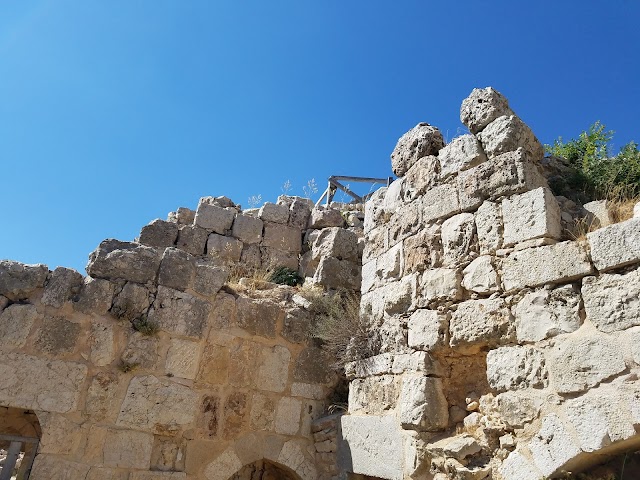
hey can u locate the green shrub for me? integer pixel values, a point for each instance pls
(285, 276)
(144, 326)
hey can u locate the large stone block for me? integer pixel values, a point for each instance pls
(461, 154)
(15, 324)
(533, 214)
(334, 273)
(158, 406)
(247, 229)
(300, 212)
(128, 449)
(209, 279)
(440, 284)
(183, 358)
(102, 344)
(423, 250)
(478, 323)
(517, 467)
(489, 227)
(287, 421)
(323, 217)
(274, 213)
(480, 276)
(423, 175)
(18, 280)
(258, 316)
(95, 296)
(559, 263)
(482, 107)
(282, 237)
(57, 336)
(182, 216)
(616, 245)
(507, 134)
(180, 313)
(553, 446)
(177, 269)
(272, 258)
(389, 264)
(102, 403)
(612, 301)
(422, 404)
(519, 407)
(273, 370)
(374, 395)
(313, 365)
(40, 384)
(131, 302)
(141, 351)
(510, 368)
(213, 218)
(581, 362)
(428, 330)
(124, 260)
(336, 242)
(192, 239)
(47, 467)
(458, 238)
(159, 234)
(547, 312)
(420, 141)
(227, 249)
(63, 284)
(440, 202)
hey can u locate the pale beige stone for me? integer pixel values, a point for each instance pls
(282, 237)
(180, 313)
(616, 245)
(553, 446)
(612, 301)
(48, 467)
(59, 434)
(273, 371)
(227, 249)
(533, 214)
(128, 449)
(287, 419)
(15, 324)
(489, 227)
(422, 404)
(182, 358)
(213, 218)
(480, 276)
(224, 466)
(263, 409)
(102, 344)
(102, 395)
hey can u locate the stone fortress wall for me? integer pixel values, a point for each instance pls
(510, 352)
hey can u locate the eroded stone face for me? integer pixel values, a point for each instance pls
(15, 324)
(114, 260)
(180, 313)
(612, 301)
(482, 107)
(420, 141)
(18, 280)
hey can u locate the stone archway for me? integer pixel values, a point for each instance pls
(264, 470)
(20, 434)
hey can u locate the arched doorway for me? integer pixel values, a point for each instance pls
(19, 437)
(264, 470)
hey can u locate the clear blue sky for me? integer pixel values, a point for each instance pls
(113, 113)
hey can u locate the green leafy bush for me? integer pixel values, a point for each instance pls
(285, 276)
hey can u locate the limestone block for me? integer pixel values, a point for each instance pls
(598, 213)
(213, 218)
(376, 365)
(405, 222)
(334, 273)
(374, 395)
(273, 258)
(371, 445)
(62, 285)
(209, 279)
(236, 412)
(546, 313)
(480, 276)
(124, 260)
(95, 296)
(308, 390)
(313, 366)
(616, 245)
(274, 213)
(611, 301)
(159, 234)
(482, 107)
(15, 324)
(168, 457)
(192, 239)
(399, 296)
(553, 446)
(251, 256)
(258, 316)
(440, 284)
(372, 304)
(297, 326)
(389, 265)
(105, 473)
(131, 302)
(247, 229)
(299, 213)
(128, 449)
(428, 330)
(224, 311)
(224, 466)
(440, 202)
(581, 362)
(336, 242)
(416, 362)
(559, 263)
(282, 237)
(59, 434)
(214, 367)
(288, 416)
(47, 467)
(457, 237)
(369, 276)
(227, 249)
(159, 406)
(179, 313)
(273, 370)
(421, 141)
(507, 174)
(457, 446)
(517, 408)
(478, 323)
(517, 467)
(102, 349)
(141, 351)
(18, 280)
(423, 175)
(394, 198)
(373, 209)
(182, 216)
(177, 269)
(510, 368)
(489, 227)
(157, 476)
(40, 384)
(101, 403)
(461, 154)
(183, 358)
(263, 411)
(293, 456)
(57, 336)
(533, 214)
(507, 134)
(422, 404)
(323, 217)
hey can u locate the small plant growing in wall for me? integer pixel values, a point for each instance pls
(126, 367)
(285, 276)
(144, 326)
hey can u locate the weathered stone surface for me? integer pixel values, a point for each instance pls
(489, 227)
(553, 446)
(300, 212)
(517, 467)
(428, 330)
(101, 344)
(213, 218)
(389, 264)
(159, 234)
(422, 404)
(288, 416)
(183, 216)
(227, 249)
(458, 447)
(18, 280)
(274, 213)
(141, 351)
(403, 224)
(334, 273)
(101, 403)
(612, 301)
(258, 316)
(293, 456)
(180, 313)
(105, 473)
(62, 285)
(297, 326)
(510, 368)
(124, 260)
(369, 276)
(251, 256)
(616, 245)
(57, 336)
(423, 250)
(533, 214)
(308, 390)
(273, 370)
(599, 213)
(59, 434)
(478, 323)
(263, 411)
(247, 229)
(336, 242)
(441, 283)
(177, 269)
(273, 258)
(457, 238)
(374, 395)
(480, 276)
(420, 141)
(214, 366)
(282, 237)
(157, 405)
(209, 279)
(128, 449)
(40, 384)
(183, 358)
(394, 198)
(517, 408)
(46, 467)
(312, 366)
(224, 313)
(482, 107)
(547, 312)
(132, 302)
(440, 202)
(323, 217)
(192, 239)
(461, 154)
(399, 296)
(95, 296)
(582, 362)
(235, 413)
(507, 134)
(557, 263)
(423, 175)
(157, 476)
(371, 445)
(15, 324)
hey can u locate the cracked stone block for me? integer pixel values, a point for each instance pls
(15, 324)
(209, 279)
(336, 242)
(247, 229)
(457, 236)
(323, 217)
(334, 273)
(159, 234)
(480, 276)
(258, 316)
(422, 404)
(213, 218)
(18, 280)
(132, 302)
(482, 107)
(421, 141)
(114, 260)
(440, 202)
(489, 227)
(274, 213)
(192, 239)
(507, 134)
(177, 269)
(612, 301)
(427, 329)
(95, 296)
(460, 154)
(534, 214)
(57, 336)
(615, 246)
(553, 446)
(478, 323)
(511, 368)
(180, 313)
(62, 286)
(440, 284)
(423, 175)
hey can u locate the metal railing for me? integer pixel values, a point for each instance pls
(335, 185)
(28, 445)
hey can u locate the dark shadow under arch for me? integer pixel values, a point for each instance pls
(20, 434)
(264, 470)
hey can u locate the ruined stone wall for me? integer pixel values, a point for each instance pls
(509, 351)
(163, 363)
